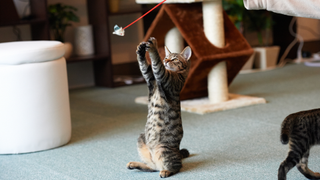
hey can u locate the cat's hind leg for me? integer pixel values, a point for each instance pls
(144, 155)
(168, 161)
(140, 166)
(172, 165)
(292, 159)
(303, 168)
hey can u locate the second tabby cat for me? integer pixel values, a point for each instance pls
(301, 130)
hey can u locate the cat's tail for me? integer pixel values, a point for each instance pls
(184, 153)
(286, 128)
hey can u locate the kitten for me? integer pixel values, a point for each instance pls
(302, 131)
(159, 145)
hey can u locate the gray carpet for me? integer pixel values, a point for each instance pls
(240, 144)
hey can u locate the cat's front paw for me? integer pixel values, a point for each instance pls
(164, 173)
(131, 165)
(141, 49)
(152, 44)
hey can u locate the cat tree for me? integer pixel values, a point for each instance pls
(219, 52)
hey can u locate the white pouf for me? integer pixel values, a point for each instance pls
(34, 99)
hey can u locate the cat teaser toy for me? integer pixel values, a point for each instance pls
(120, 31)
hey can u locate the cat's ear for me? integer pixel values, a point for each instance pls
(167, 50)
(186, 53)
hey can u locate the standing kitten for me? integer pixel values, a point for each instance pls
(159, 145)
(302, 131)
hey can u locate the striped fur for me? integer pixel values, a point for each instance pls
(301, 130)
(159, 145)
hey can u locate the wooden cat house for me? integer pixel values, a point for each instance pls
(188, 19)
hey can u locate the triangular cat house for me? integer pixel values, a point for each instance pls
(188, 19)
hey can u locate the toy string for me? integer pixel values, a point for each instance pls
(144, 14)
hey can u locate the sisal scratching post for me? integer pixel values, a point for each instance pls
(214, 31)
(174, 41)
(213, 22)
(217, 83)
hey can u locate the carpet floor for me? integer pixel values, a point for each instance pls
(240, 144)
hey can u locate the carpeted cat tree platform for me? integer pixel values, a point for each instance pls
(188, 19)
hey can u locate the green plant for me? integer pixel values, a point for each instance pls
(258, 21)
(235, 10)
(60, 17)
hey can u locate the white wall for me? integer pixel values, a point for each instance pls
(122, 48)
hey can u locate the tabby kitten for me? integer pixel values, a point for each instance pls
(159, 145)
(302, 131)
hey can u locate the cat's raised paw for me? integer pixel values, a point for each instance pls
(152, 40)
(165, 173)
(152, 44)
(141, 49)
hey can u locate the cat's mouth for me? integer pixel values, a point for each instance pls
(167, 66)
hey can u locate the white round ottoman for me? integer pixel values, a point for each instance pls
(34, 99)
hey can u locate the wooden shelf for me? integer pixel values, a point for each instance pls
(128, 11)
(94, 57)
(24, 22)
(142, 9)
(38, 19)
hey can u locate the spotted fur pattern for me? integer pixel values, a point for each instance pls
(301, 130)
(159, 145)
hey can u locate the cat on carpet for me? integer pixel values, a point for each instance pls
(159, 145)
(301, 130)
